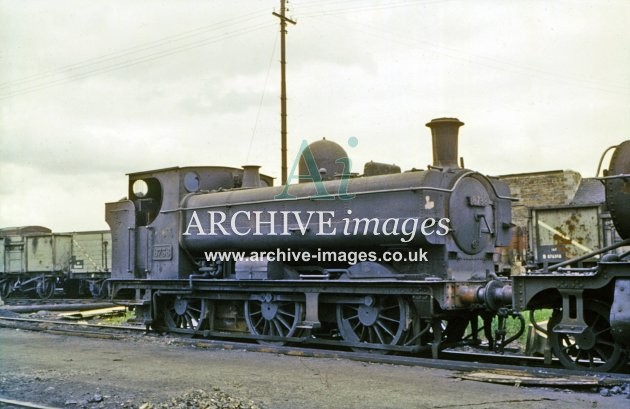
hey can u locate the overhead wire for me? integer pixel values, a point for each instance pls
(345, 9)
(140, 53)
(135, 49)
(45, 79)
(131, 56)
(262, 97)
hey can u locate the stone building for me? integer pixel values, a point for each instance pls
(556, 187)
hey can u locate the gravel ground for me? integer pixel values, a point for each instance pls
(150, 373)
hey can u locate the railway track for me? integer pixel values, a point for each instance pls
(45, 303)
(519, 370)
(18, 300)
(13, 403)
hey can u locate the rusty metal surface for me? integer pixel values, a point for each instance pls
(444, 132)
(562, 233)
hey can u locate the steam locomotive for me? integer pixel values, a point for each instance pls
(387, 261)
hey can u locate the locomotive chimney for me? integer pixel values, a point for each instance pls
(445, 134)
(251, 176)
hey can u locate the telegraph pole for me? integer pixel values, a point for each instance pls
(283, 86)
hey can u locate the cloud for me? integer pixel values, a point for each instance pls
(102, 89)
(59, 202)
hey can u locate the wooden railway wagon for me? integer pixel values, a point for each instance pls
(560, 233)
(33, 258)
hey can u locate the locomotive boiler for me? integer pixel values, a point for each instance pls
(456, 216)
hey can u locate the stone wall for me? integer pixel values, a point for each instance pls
(556, 187)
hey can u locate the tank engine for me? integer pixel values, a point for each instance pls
(390, 262)
(423, 240)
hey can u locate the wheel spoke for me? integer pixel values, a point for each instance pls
(602, 331)
(389, 319)
(279, 328)
(602, 354)
(284, 323)
(607, 343)
(378, 333)
(286, 313)
(380, 324)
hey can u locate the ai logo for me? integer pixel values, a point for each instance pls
(314, 175)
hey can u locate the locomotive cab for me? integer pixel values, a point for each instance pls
(145, 226)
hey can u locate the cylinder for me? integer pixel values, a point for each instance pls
(444, 132)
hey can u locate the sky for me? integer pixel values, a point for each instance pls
(91, 91)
